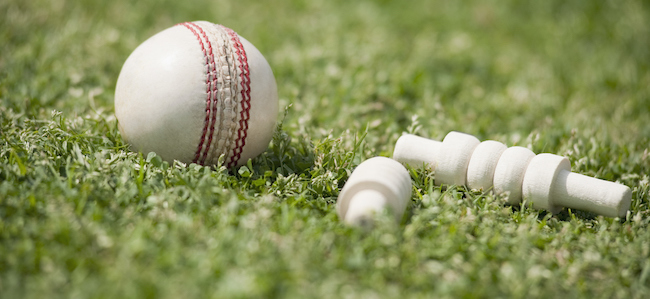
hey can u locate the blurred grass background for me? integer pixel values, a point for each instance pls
(81, 216)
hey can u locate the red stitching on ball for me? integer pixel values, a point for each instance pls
(208, 122)
(244, 75)
(212, 86)
(208, 100)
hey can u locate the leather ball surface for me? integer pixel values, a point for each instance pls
(194, 92)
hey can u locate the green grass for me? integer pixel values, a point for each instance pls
(82, 216)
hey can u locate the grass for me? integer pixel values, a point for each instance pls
(82, 216)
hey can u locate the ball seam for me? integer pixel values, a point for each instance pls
(244, 74)
(213, 90)
(228, 81)
(208, 124)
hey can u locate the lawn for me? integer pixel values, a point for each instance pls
(82, 216)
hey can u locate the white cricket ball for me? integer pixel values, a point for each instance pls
(197, 91)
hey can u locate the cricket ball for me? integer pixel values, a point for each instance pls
(194, 92)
